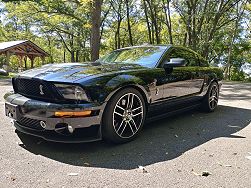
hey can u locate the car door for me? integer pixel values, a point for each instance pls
(193, 66)
(182, 81)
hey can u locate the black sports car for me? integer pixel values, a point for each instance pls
(112, 97)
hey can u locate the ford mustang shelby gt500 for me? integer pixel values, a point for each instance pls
(112, 97)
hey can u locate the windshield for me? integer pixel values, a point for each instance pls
(143, 56)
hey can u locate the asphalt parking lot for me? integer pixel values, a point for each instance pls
(173, 152)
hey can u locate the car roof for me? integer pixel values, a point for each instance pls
(164, 46)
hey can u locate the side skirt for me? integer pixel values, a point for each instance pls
(171, 113)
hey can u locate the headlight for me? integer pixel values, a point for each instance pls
(72, 92)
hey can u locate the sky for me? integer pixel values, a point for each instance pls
(1, 15)
(247, 68)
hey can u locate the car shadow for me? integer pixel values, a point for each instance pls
(160, 141)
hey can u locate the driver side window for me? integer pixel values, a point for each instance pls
(176, 53)
(189, 57)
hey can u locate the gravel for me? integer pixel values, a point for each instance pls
(192, 149)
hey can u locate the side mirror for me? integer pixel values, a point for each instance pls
(175, 62)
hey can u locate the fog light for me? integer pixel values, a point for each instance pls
(73, 114)
(42, 124)
(70, 129)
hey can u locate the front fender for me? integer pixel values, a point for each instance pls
(122, 81)
(101, 89)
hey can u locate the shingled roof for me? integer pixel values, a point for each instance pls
(22, 47)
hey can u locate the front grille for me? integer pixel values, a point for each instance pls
(30, 123)
(35, 88)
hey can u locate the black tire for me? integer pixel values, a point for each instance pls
(210, 101)
(125, 103)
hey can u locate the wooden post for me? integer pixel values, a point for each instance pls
(25, 62)
(8, 58)
(43, 60)
(20, 58)
(32, 62)
(32, 58)
(7, 63)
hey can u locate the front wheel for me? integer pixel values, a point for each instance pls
(124, 116)
(210, 101)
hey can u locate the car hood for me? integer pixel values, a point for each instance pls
(72, 72)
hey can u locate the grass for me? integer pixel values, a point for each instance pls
(233, 81)
(11, 74)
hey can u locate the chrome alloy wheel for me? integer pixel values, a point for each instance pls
(128, 115)
(213, 97)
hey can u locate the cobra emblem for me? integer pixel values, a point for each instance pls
(41, 89)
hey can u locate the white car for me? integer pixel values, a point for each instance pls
(3, 72)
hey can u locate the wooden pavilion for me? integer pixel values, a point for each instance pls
(22, 49)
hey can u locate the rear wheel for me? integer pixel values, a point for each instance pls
(124, 116)
(210, 101)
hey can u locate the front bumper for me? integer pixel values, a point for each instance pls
(27, 115)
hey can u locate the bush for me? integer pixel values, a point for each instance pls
(237, 75)
(248, 79)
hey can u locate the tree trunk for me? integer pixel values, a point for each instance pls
(188, 24)
(72, 56)
(193, 35)
(95, 30)
(50, 50)
(155, 22)
(115, 41)
(231, 45)
(153, 13)
(77, 55)
(102, 24)
(72, 52)
(213, 29)
(168, 20)
(148, 24)
(118, 34)
(128, 22)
